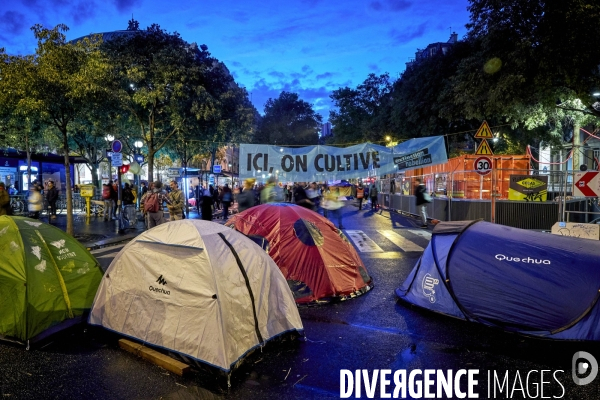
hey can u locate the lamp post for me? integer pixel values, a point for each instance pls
(138, 145)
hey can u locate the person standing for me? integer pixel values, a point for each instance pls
(35, 201)
(360, 195)
(373, 196)
(226, 198)
(4, 200)
(267, 194)
(51, 198)
(247, 197)
(215, 194)
(114, 195)
(422, 201)
(153, 205)
(301, 198)
(333, 205)
(144, 189)
(176, 198)
(128, 202)
(107, 196)
(313, 195)
(207, 203)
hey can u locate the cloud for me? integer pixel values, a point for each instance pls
(83, 11)
(126, 5)
(413, 32)
(240, 16)
(376, 5)
(310, 88)
(13, 23)
(390, 5)
(373, 67)
(399, 5)
(277, 74)
(324, 76)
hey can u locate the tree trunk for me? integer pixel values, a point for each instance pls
(150, 165)
(68, 183)
(95, 179)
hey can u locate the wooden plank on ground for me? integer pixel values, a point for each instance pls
(154, 357)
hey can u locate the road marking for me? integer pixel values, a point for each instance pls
(401, 241)
(363, 242)
(102, 250)
(421, 232)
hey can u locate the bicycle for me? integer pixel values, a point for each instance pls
(61, 205)
(18, 204)
(96, 208)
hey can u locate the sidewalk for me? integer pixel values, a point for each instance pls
(96, 233)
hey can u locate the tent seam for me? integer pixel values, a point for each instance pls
(241, 267)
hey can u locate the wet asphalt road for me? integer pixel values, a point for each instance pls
(373, 331)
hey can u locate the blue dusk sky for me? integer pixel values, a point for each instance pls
(309, 47)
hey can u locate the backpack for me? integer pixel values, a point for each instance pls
(106, 192)
(151, 203)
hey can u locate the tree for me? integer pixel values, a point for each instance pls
(63, 82)
(526, 55)
(289, 121)
(173, 91)
(363, 113)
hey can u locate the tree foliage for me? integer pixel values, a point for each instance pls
(56, 86)
(363, 113)
(288, 120)
(529, 68)
(174, 91)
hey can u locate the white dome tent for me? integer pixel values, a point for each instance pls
(198, 289)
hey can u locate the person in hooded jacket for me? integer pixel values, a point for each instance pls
(207, 203)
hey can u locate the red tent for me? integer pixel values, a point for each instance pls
(315, 257)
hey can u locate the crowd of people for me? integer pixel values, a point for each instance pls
(210, 199)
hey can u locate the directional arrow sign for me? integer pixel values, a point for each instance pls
(586, 184)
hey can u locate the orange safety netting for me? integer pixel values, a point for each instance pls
(458, 177)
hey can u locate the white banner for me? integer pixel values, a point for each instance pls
(326, 163)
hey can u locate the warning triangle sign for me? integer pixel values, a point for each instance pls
(484, 149)
(484, 132)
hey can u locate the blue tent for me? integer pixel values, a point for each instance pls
(522, 281)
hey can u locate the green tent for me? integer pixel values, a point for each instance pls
(48, 280)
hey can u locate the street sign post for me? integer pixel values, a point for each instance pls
(117, 146)
(484, 149)
(174, 172)
(483, 165)
(484, 132)
(117, 159)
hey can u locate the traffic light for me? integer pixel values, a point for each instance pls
(124, 169)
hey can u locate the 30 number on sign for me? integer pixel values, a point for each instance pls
(483, 165)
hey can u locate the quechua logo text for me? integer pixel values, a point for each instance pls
(162, 281)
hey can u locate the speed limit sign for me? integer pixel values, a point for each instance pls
(483, 165)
